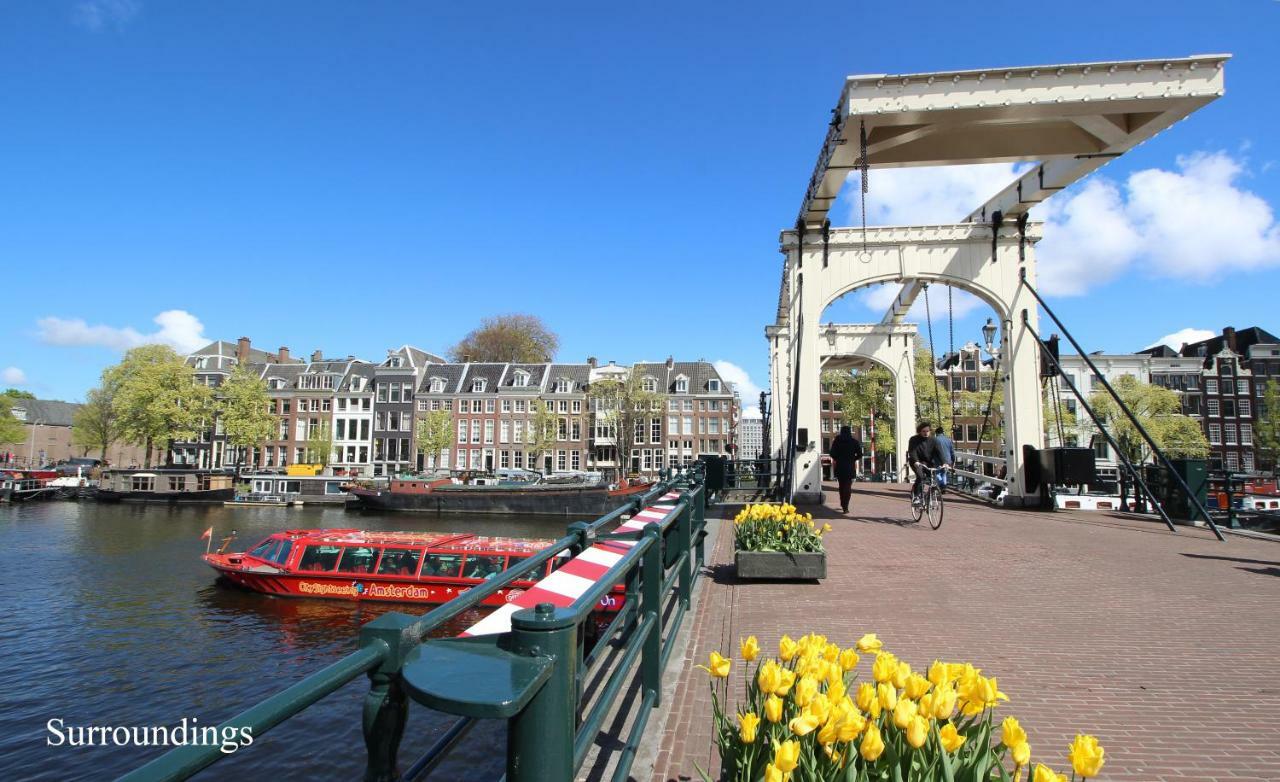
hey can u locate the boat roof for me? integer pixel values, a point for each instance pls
(444, 540)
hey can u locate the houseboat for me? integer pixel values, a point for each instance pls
(179, 486)
(20, 486)
(299, 489)
(404, 567)
(549, 497)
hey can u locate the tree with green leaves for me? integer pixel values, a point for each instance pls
(434, 435)
(1266, 427)
(540, 436)
(319, 447)
(158, 400)
(1159, 410)
(97, 423)
(865, 402)
(14, 393)
(520, 339)
(11, 429)
(1056, 414)
(243, 410)
(933, 399)
(622, 403)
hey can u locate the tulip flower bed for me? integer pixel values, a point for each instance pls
(777, 542)
(805, 718)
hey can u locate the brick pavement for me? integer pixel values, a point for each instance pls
(1163, 645)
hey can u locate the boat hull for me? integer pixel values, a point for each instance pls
(212, 496)
(361, 587)
(583, 501)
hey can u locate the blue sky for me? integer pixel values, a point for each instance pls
(353, 176)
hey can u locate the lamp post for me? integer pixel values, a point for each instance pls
(989, 337)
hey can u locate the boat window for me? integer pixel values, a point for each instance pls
(319, 558)
(281, 556)
(399, 561)
(483, 567)
(262, 548)
(444, 565)
(560, 560)
(513, 561)
(357, 559)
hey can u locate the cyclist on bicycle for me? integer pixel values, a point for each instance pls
(924, 453)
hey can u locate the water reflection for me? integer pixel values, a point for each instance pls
(114, 620)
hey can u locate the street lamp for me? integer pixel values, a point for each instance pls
(989, 336)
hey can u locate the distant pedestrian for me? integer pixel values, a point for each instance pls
(845, 451)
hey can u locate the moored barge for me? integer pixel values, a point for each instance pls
(175, 486)
(403, 567)
(586, 500)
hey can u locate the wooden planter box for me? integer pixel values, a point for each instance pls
(781, 566)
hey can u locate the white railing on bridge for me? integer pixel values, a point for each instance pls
(968, 466)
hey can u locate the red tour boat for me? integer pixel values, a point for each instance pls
(404, 567)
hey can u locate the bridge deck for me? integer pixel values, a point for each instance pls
(1163, 645)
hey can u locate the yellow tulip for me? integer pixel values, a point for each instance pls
(773, 708)
(951, 738)
(769, 678)
(834, 676)
(887, 695)
(1086, 756)
(718, 667)
(916, 686)
(867, 699)
(944, 702)
(831, 653)
(904, 713)
(850, 726)
(826, 528)
(1011, 733)
(978, 693)
(836, 690)
(788, 678)
(820, 707)
(1045, 774)
(900, 675)
(885, 666)
(830, 731)
(869, 643)
(805, 690)
(786, 756)
(872, 745)
(938, 674)
(917, 732)
(1021, 754)
(749, 648)
(773, 774)
(849, 659)
(747, 724)
(787, 648)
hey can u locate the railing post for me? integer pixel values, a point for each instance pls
(651, 603)
(386, 706)
(700, 523)
(540, 737)
(684, 532)
(585, 537)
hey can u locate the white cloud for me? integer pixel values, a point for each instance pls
(1182, 336)
(879, 298)
(927, 195)
(748, 391)
(13, 376)
(178, 328)
(1194, 223)
(98, 15)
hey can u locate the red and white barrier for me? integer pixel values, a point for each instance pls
(575, 577)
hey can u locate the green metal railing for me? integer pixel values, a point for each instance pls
(539, 676)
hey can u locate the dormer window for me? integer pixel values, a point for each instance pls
(437, 385)
(477, 385)
(520, 379)
(713, 385)
(562, 385)
(357, 383)
(394, 361)
(682, 385)
(202, 363)
(275, 384)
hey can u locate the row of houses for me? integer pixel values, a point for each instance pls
(371, 412)
(1220, 381)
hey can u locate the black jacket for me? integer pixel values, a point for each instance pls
(925, 450)
(845, 452)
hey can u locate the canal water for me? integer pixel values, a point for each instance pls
(112, 620)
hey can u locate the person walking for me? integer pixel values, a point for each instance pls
(845, 451)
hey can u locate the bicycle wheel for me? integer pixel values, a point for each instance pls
(918, 510)
(934, 508)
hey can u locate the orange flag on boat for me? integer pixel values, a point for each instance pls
(208, 534)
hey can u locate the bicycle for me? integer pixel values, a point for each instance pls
(931, 497)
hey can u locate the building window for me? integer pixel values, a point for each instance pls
(462, 431)
(682, 385)
(475, 430)
(437, 385)
(1215, 433)
(1246, 434)
(504, 459)
(1229, 408)
(1233, 461)
(1211, 385)
(1230, 431)
(1248, 461)
(1242, 387)
(506, 405)
(422, 405)
(504, 432)
(488, 431)
(488, 405)
(713, 385)
(464, 406)
(520, 379)
(477, 385)
(561, 463)
(1211, 407)
(562, 386)
(575, 431)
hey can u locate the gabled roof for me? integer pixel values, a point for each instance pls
(417, 357)
(451, 373)
(491, 374)
(47, 412)
(578, 375)
(537, 374)
(1245, 338)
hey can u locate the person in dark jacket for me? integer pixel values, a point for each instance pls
(845, 451)
(923, 453)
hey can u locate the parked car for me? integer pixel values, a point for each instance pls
(77, 465)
